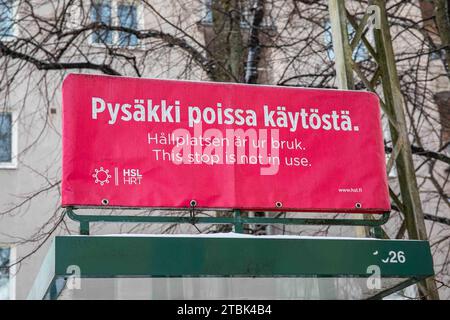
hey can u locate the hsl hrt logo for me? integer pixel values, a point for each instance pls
(131, 176)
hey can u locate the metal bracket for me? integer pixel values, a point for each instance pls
(193, 204)
(237, 220)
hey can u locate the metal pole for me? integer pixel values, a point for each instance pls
(394, 107)
(343, 58)
(238, 224)
(341, 45)
(409, 189)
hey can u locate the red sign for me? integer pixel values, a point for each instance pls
(130, 142)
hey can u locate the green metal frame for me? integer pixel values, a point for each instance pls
(237, 220)
(241, 256)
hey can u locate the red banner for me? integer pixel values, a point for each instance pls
(130, 142)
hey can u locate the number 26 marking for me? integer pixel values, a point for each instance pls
(395, 257)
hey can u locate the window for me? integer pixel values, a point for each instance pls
(6, 18)
(101, 12)
(5, 137)
(128, 19)
(114, 13)
(359, 54)
(7, 141)
(5, 274)
(208, 12)
(435, 55)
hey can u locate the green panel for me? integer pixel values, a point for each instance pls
(135, 256)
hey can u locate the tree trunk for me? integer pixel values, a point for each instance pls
(227, 46)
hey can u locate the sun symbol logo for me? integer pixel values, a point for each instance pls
(101, 176)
